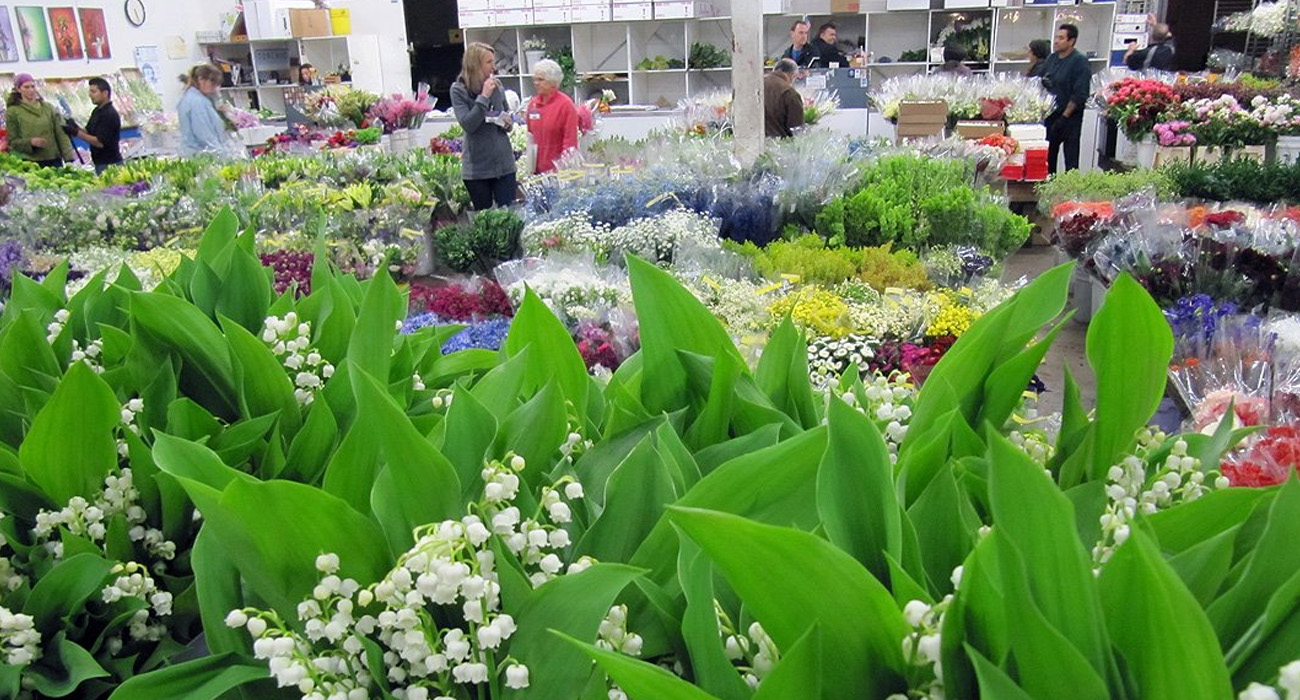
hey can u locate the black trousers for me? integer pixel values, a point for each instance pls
(1070, 131)
(51, 163)
(498, 191)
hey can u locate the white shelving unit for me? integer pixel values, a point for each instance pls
(613, 50)
(270, 65)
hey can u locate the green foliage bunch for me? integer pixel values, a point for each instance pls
(1236, 179)
(916, 202)
(1101, 186)
(493, 236)
(809, 258)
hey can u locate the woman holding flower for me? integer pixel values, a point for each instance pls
(479, 103)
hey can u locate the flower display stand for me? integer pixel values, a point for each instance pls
(1146, 152)
(1288, 149)
(1172, 154)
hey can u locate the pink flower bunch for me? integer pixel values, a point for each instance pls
(400, 112)
(1174, 134)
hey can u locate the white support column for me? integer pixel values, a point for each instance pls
(747, 78)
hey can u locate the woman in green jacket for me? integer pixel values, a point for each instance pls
(35, 131)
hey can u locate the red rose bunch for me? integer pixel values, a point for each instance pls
(1137, 105)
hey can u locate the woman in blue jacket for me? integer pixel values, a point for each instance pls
(202, 128)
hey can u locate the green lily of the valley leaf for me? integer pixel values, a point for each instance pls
(855, 491)
(640, 680)
(553, 355)
(206, 678)
(84, 406)
(791, 580)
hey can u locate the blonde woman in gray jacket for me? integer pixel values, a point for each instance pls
(479, 103)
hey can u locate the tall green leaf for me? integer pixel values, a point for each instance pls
(640, 680)
(782, 374)
(671, 320)
(1167, 642)
(62, 592)
(572, 605)
(553, 355)
(635, 498)
(264, 386)
(855, 491)
(799, 672)
(206, 678)
(196, 338)
(63, 466)
(712, 670)
(1129, 346)
(792, 580)
(371, 347)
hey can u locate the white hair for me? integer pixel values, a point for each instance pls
(548, 70)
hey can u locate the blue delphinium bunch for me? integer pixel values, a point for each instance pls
(487, 335)
(11, 258)
(415, 322)
(1195, 318)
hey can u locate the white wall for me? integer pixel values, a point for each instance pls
(182, 18)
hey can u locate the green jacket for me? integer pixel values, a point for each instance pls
(25, 122)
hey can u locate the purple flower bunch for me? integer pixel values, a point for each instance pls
(1194, 319)
(11, 259)
(291, 267)
(135, 188)
(1174, 133)
(415, 322)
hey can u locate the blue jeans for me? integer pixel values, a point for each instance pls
(497, 191)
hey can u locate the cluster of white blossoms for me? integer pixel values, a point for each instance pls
(19, 640)
(1130, 489)
(888, 401)
(1288, 681)
(130, 410)
(922, 645)
(614, 636)
(90, 354)
(290, 341)
(1034, 444)
(753, 653)
(132, 580)
(11, 579)
(828, 358)
(449, 573)
(91, 519)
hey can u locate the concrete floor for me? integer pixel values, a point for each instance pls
(1069, 348)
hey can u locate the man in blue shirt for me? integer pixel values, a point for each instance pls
(800, 51)
(1069, 78)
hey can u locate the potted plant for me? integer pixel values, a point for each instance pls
(534, 51)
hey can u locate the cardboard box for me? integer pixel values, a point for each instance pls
(907, 4)
(552, 15)
(917, 131)
(1027, 132)
(964, 4)
(477, 19)
(979, 129)
(929, 112)
(310, 23)
(341, 21)
(845, 7)
(633, 11)
(473, 5)
(541, 4)
(512, 4)
(512, 18)
(592, 13)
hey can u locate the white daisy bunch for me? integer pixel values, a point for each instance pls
(290, 341)
(1288, 681)
(572, 233)
(451, 569)
(1130, 489)
(754, 653)
(132, 581)
(573, 293)
(11, 579)
(660, 238)
(828, 358)
(19, 640)
(740, 304)
(899, 314)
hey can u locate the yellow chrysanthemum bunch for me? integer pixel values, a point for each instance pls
(815, 310)
(954, 316)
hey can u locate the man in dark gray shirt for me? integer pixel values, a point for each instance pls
(1068, 76)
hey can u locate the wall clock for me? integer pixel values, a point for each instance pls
(135, 12)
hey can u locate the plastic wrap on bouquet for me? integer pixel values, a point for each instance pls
(805, 188)
(575, 287)
(1285, 330)
(1232, 366)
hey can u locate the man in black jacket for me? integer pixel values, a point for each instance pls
(800, 51)
(104, 129)
(1068, 77)
(824, 47)
(1158, 55)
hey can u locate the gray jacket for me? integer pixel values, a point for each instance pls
(487, 151)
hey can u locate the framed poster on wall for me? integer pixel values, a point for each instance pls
(94, 33)
(34, 34)
(67, 36)
(8, 40)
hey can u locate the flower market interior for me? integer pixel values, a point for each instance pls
(650, 349)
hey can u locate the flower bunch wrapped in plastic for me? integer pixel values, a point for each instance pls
(1268, 461)
(575, 288)
(818, 105)
(400, 112)
(1223, 122)
(1268, 19)
(1026, 100)
(1138, 104)
(1279, 114)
